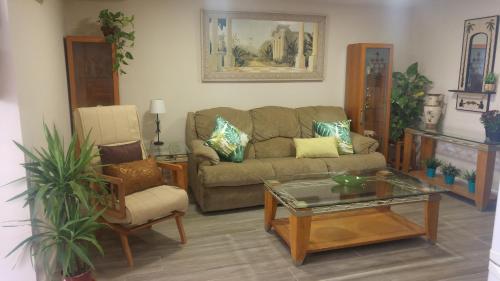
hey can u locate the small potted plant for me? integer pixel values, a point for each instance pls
(432, 164)
(449, 172)
(491, 122)
(490, 82)
(470, 176)
(113, 27)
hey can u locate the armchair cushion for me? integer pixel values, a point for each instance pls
(120, 153)
(362, 144)
(152, 203)
(204, 152)
(136, 175)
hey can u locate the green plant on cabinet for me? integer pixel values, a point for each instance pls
(450, 172)
(407, 100)
(59, 186)
(113, 26)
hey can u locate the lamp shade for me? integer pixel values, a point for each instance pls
(157, 106)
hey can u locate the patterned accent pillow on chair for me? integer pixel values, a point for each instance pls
(339, 129)
(228, 141)
(136, 175)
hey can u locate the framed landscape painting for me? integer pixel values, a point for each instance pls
(241, 46)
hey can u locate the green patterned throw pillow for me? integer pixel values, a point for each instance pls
(339, 129)
(228, 141)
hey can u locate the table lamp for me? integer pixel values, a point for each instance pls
(157, 107)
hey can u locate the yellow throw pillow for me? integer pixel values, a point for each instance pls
(316, 147)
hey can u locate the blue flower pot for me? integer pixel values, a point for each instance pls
(449, 179)
(472, 186)
(431, 172)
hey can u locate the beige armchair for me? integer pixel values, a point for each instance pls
(111, 125)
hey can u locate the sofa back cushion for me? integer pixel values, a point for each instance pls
(274, 121)
(275, 148)
(205, 120)
(309, 114)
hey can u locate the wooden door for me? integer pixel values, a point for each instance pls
(91, 78)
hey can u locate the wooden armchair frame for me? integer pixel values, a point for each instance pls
(115, 207)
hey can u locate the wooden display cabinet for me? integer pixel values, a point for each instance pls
(368, 90)
(91, 79)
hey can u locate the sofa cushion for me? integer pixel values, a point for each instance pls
(250, 171)
(274, 148)
(228, 141)
(274, 121)
(338, 129)
(355, 162)
(316, 147)
(291, 166)
(205, 120)
(152, 203)
(318, 113)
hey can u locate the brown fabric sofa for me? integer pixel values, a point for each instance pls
(270, 153)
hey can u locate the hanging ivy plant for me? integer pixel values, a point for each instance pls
(113, 27)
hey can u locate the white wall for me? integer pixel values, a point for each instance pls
(40, 68)
(436, 43)
(168, 57)
(10, 168)
(32, 89)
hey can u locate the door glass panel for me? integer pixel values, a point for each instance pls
(374, 113)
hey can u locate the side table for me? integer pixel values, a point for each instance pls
(485, 162)
(176, 153)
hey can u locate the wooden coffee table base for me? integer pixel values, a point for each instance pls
(345, 229)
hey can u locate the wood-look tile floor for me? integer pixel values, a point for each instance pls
(227, 246)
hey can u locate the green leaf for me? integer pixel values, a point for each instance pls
(128, 55)
(412, 70)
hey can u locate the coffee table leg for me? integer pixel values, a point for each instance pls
(270, 205)
(300, 228)
(431, 217)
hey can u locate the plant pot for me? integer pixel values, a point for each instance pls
(472, 186)
(489, 87)
(431, 172)
(448, 179)
(493, 136)
(108, 30)
(86, 276)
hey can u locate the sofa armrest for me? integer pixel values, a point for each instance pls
(203, 152)
(362, 144)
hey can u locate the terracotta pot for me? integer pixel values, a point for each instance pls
(87, 276)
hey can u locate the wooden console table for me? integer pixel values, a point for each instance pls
(485, 164)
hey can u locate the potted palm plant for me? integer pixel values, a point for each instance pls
(59, 185)
(432, 164)
(490, 82)
(449, 172)
(113, 27)
(470, 176)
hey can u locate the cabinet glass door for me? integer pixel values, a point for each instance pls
(376, 91)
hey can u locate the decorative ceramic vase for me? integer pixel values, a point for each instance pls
(431, 172)
(448, 179)
(489, 87)
(432, 110)
(472, 186)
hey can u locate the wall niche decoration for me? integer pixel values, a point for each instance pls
(247, 46)
(477, 60)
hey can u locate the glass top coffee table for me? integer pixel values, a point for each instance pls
(339, 210)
